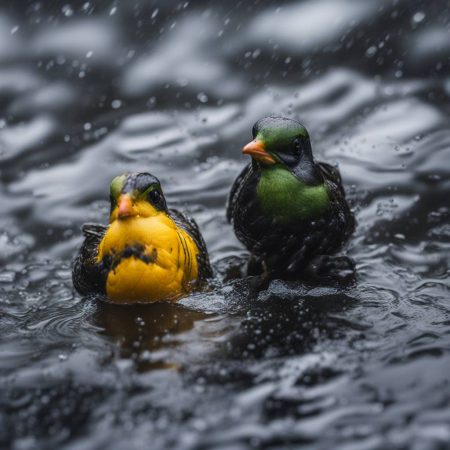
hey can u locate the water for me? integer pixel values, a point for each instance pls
(90, 90)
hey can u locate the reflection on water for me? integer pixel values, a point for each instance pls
(143, 330)
(89, 90)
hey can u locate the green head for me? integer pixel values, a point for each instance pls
(136, 194)
(284, 142)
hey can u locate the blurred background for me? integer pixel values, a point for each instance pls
(89, 90)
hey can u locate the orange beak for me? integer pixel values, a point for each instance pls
(256, 150)
(125, 208)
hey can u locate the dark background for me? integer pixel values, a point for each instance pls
(89, 90)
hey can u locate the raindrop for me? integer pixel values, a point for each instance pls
(14, 29)
(155, 13)
(371, 51)
(202, 97)
(113, 10)
(115, 104)
(418, 17)
(140, 321)
(87, 126)
(256, 53)
(67, 10)
(183, 82)
(89, 54)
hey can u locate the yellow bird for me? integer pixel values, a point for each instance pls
(147, 253)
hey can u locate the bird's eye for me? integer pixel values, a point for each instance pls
(298, 146)
(156, 198)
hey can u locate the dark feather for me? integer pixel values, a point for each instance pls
(287, 247)
(88, 275)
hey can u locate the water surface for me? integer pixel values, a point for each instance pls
(91, 90)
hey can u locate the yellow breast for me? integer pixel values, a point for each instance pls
(153, 259)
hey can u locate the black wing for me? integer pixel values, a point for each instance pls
(190, 226)
(88, 275)
(333, 178)
(232, 198)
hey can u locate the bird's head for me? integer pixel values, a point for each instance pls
(283, 142)
(136, 195)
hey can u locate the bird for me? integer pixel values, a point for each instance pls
(147, 253)
(288, 210)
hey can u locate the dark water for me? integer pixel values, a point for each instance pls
(89, 90)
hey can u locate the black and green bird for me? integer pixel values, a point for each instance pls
(287, 209)
(147, 253)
